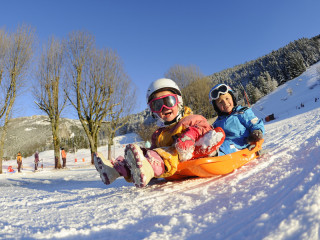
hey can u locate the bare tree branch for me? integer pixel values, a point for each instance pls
(93, 74)
(123, 101)
(16, 61)
(47, 92)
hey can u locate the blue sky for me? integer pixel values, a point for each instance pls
(151, 36)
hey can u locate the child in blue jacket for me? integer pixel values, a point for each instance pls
(241, 126)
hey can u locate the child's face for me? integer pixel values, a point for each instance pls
(166, 114)
(225, 103)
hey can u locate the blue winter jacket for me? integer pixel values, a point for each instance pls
(237, 126)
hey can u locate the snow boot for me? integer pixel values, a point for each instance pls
(208, 145)
(140, 168)
(122, 168)
(156, 162)
(105, 167)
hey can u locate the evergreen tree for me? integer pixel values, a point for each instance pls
(262, 84)
(253, 93)
(295, 64)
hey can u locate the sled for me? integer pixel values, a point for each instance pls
(213, 166)
(10, 170)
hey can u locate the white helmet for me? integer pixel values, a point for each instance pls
(165, 84)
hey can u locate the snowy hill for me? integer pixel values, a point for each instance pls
(273, 197)
(28, 134)
(295, 97)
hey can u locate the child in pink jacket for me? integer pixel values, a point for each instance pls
(181, 136)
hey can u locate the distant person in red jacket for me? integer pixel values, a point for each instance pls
(64, 157)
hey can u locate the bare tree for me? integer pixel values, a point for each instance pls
(4, 95)
(183, 76)
(15, 64)
(289, 91)
(145, 131)
(196, 96)
(48, 93)
(3, 50)
(93, 74)
(194, 86)
(123, 101)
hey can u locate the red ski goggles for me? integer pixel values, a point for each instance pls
(168, 101)
(217, 91)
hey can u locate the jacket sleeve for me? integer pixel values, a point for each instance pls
(196, 124)
(251, 121)
(154, 138)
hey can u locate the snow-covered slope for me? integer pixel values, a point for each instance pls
(273, 197)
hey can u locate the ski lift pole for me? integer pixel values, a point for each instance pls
(245, 94)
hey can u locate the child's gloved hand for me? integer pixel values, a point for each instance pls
(185, 148)
(185, 144)
(255, 136)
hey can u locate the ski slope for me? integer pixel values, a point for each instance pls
(273, 197)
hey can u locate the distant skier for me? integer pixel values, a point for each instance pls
(178, 139)
(240, 124)
(36, 160)
(19, 161)
(64, 158)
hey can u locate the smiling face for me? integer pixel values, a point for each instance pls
(166, 114)
(225, 103)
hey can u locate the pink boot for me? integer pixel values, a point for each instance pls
(140, 168)
(156, 162)
(121, 166)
